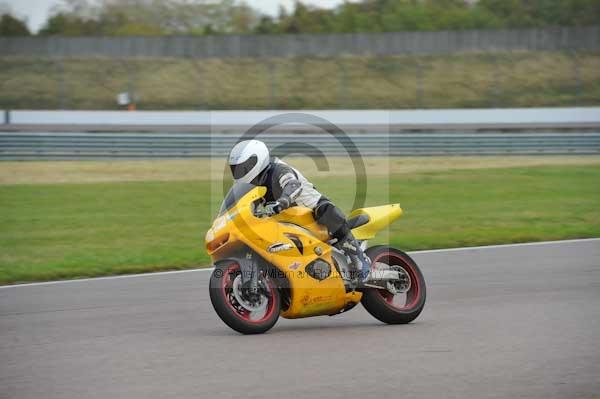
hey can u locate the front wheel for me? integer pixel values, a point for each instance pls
(244, 312)
(403, 302)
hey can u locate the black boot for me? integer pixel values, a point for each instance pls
(361, 261)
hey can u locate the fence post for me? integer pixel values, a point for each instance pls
(420, 89)
(62, 85)
(131, 85)
(272, 68)
(200, 73)
(577, 77)
(343, 82)
(300, 96)
(496, 87)
(203, 98)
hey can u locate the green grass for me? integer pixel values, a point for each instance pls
(517, 79)
(62, 231)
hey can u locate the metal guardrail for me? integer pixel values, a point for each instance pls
(58, 146)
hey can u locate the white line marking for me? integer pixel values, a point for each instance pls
(524, 244)
(429, 251)
(107, 278)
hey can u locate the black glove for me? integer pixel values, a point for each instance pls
(284, 203)
(273, 208)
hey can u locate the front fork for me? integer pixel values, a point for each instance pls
(249, 268)
(251, 284)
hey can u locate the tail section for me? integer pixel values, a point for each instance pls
(379, 218)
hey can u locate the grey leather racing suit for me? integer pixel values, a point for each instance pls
(289, 187)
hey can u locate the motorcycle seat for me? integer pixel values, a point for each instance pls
(357, 221)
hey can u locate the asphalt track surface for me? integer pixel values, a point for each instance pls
(501, 322)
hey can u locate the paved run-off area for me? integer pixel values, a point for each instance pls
(514, 321)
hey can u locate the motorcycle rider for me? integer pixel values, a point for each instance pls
(250, 162)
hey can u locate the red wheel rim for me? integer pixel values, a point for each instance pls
(227, 291)
(413, 294)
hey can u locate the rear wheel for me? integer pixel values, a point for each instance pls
(405, 299)
(245, 312)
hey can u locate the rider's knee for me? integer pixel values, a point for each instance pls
(332, 217)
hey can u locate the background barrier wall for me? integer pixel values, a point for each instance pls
(544, 131)
(267, 46)
(368, 120)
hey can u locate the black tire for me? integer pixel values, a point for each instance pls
(374, 300)
(226, 310)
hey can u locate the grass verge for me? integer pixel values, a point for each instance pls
(515, 79)
(57, 231)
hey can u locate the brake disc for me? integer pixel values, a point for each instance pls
(244, 302)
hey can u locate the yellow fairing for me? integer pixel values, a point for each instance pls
(308, 296)
(379, 218)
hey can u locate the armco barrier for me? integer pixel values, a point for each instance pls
(39, 146)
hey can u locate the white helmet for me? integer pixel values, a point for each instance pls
(247, 159)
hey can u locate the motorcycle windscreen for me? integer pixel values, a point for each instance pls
(236, 192)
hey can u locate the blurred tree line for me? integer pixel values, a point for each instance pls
(201, 17)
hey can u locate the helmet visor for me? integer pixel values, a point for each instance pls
(240, 170)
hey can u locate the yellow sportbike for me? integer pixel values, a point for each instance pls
(269, 265)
